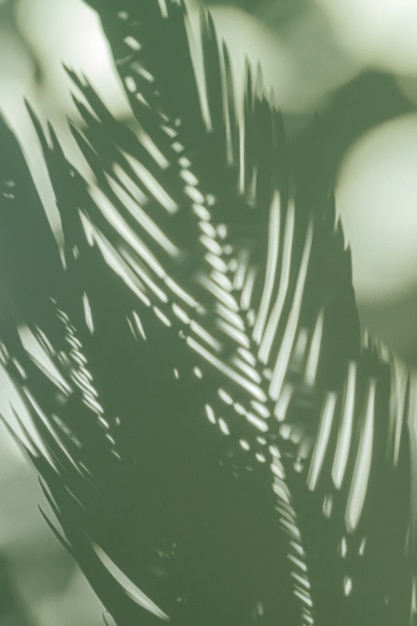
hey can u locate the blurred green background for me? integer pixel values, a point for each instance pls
(352, 63)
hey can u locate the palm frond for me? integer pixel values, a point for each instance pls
(217, 442)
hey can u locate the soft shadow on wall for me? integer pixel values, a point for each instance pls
(355, 63)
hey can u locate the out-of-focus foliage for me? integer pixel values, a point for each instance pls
(366, 46)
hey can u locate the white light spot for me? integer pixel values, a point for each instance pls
(347, 586)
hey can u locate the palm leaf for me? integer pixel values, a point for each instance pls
(217, 442)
